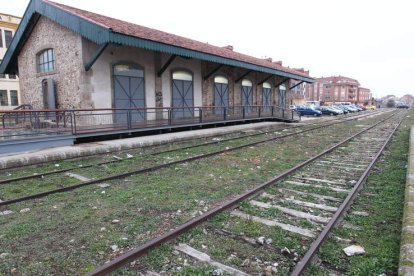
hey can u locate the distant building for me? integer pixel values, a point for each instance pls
(337, 89)
(364, 96)
(9, 84)
(297, 89)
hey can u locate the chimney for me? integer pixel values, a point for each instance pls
(278, 62)
(228, 47)
(268, 59)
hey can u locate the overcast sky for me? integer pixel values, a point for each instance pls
(371, 41)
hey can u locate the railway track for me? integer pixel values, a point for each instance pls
(277, 227)
(227, 145)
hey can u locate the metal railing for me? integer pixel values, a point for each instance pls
(30, 122)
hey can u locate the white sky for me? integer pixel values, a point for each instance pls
(371, 41)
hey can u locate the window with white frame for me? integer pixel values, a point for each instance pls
(14, 99)
(8, 37)
(4, 101)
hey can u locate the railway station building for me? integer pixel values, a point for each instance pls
(69, 58)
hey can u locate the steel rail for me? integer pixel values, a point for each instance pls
(150, 169)
(306, 260)
(40, 175)
(143, 249)
(340, 120)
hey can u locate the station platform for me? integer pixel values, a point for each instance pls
(9, 160)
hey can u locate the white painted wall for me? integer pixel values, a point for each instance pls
(191, 65)
(101, 80)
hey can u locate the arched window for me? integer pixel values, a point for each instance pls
(182, 75)
(247, 95)
(247, 83)
(182, 94)
(46, 61)
(221, 94)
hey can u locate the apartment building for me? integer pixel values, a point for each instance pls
(337, 89)
(9, 83)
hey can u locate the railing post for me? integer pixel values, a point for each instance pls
(57, 119)
(37, 121)
(129, 120)
(169, 117)
(273, 111)
(224, 113)
(200, 111)
(260, 109)
(243, 112)
(74, 131)
(64, 119)
(283, 113)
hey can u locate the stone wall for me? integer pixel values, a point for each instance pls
(68, 65)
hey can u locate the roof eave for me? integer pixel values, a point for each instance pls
(132, 41)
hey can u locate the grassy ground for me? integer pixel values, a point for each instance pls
(77, 231)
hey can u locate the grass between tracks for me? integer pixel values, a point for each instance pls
(74, 232)
(383, 199)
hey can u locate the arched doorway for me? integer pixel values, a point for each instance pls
(267, 97)
(282, 96)
(247, 95)
(221, 94)
(182, 95)
(129, 91)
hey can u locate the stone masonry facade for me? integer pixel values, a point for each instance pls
(68, 65)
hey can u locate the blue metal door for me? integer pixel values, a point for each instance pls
(129, 93)
(247, 96)
(221, 95)
(267, 97)
(282, 96)
(182, 95)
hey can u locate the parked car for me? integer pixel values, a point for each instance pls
(350, 108)
(308, 110)
(402, 106)
(337, 109)
(292, 107)
(356, 107)
(330, 110)
(371, 107)
(342, 107)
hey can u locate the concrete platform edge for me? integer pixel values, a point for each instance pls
(406, 265)
(81, 150)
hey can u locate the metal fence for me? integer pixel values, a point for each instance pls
(22, 123)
